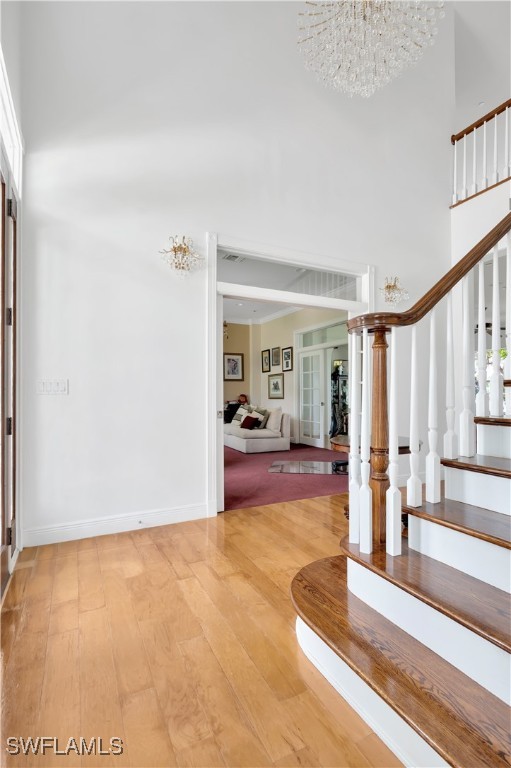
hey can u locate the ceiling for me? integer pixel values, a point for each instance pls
(246, 311)
(241, 269)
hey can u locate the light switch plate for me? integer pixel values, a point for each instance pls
(53, 387)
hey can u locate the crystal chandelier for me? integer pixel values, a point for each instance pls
(357, 46)
(392, 291)
(181, 256)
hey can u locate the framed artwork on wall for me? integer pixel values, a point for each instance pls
(233, 366)
(275, 356)
(265, 361)
(287, 358)
(276, 386)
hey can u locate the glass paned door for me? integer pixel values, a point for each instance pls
(312, 430)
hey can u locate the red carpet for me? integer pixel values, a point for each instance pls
(249, 484)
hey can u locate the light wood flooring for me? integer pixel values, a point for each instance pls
(179, 640)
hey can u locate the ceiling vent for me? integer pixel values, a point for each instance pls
(233, 257)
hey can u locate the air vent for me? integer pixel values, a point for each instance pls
(233, 257)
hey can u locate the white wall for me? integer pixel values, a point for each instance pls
(10, 41)
(142, 120)
(483, 63)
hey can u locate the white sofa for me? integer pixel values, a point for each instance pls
(259, 440)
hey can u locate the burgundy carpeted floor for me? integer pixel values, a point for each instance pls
(249, 484)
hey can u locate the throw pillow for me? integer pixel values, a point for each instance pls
(249, 422)
(241, 413)
(274, 420)
(261, 414)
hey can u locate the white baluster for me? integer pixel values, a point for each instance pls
(482, 396)
(474, 163)
(496, 378)
(366, 494)
(507, 364)
(507, 166)
(495, 151)
(450, 437)
(413, 485)
(455, 175)
(393, 495)
(433, 459)
(465, 188)
(354, 395)
(467, 426)
(485, 158)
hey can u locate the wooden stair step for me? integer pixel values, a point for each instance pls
(501, 421)
(507, 382)
(487, 465)
(466, 518)
(462, 722)
(481, 608)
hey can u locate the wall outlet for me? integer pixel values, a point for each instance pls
(53, 387)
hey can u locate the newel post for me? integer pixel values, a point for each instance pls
(379, 437)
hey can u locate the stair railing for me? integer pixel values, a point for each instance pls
(375, 499)
(481, 155)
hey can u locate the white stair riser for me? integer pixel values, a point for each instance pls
(494, 440)
(403, 740)
(475, 557)
(484, 662)
(478, 489)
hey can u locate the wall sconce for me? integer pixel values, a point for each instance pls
(392, 291)
(181, 257)
(226, 330)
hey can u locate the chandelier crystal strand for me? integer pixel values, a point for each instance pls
(181, 257)
(357, 46)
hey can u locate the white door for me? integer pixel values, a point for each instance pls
(312, 405)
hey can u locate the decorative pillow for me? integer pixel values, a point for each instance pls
(261, 414)
(249, 422)
(274, 420)
(241, 413)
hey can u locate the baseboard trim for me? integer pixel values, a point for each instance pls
(34, 537)
(400, 738)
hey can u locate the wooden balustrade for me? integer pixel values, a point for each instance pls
(482, 120)
(498, 139)
(375, 490)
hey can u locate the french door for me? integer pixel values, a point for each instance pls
(8, 265)
(312, 404)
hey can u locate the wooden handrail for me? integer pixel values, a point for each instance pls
(386, 320)
(482, 120)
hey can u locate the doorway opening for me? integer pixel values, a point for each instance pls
(339, 289)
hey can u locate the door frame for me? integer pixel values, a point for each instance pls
(9, 471)
(215, 294)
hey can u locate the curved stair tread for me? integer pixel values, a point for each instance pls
(464, 723)
(488, 465)
(481, 608)
(466, 518)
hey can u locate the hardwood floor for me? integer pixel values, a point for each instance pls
(180, 641)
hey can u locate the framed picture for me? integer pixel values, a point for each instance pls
(233, 366)
(276, 386)
(275, 356)
(265, 361)
(287, 358)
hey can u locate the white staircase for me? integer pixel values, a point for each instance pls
(415, 631)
